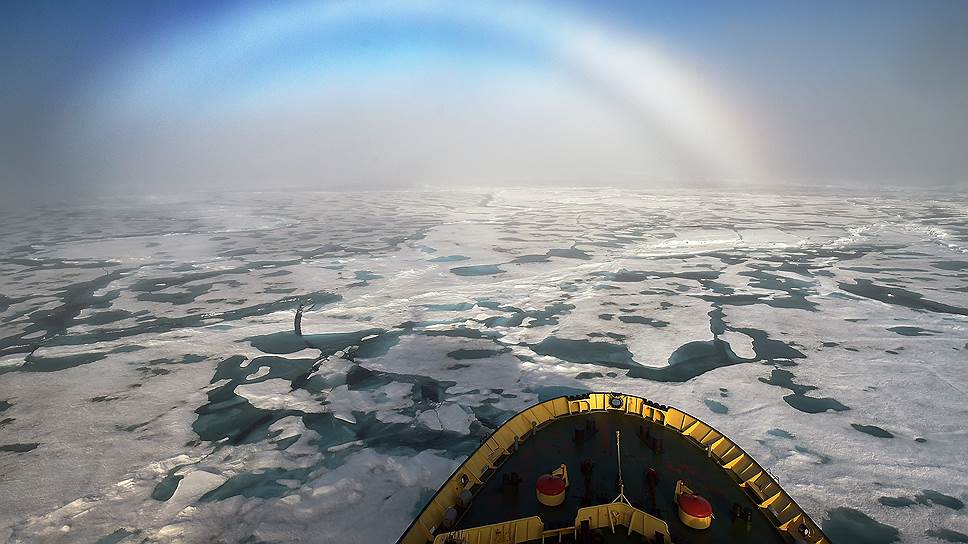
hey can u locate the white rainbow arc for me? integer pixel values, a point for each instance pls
(646, 77)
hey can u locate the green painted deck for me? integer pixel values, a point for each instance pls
(681, 459)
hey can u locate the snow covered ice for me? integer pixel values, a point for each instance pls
(152, 387)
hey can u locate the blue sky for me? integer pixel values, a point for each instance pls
(103, 95)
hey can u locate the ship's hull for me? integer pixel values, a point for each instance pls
(491, 497)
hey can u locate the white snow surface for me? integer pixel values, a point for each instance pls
(149, 341)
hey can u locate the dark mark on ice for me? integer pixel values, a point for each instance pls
(896, 502)
(53, 364)
(552, 391)
(571, 253)
(167, 486)
(459, 307)
(853, 526)
(460, 332)
(626, 276)
(262, 484)
(546, 316)
(900, 297)
(926, 497)
(526, 259)
(116, 537)
(872, 430)
(366, 275)
(448, 259)
(767, 348)
(819, 457)
(912, 331)
(164, 324)
(780, 433)
(478, 270)
(282, 343)
(690, 360)
(686, 362)
(929, 497)
(947, 535)
(716, 407)
(461, 354)
(957, 266)
(657, 323)
(19, 448)
(798, 399)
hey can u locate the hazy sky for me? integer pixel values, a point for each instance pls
(101, 96)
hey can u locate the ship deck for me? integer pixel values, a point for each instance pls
(680, 458)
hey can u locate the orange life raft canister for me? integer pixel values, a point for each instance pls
(694, 510)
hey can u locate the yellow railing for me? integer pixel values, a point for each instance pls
(509, 532)
(778, 506)
(620, 514)
(604, 516)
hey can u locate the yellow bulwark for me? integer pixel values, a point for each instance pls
(779, 507)
(612, 516)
